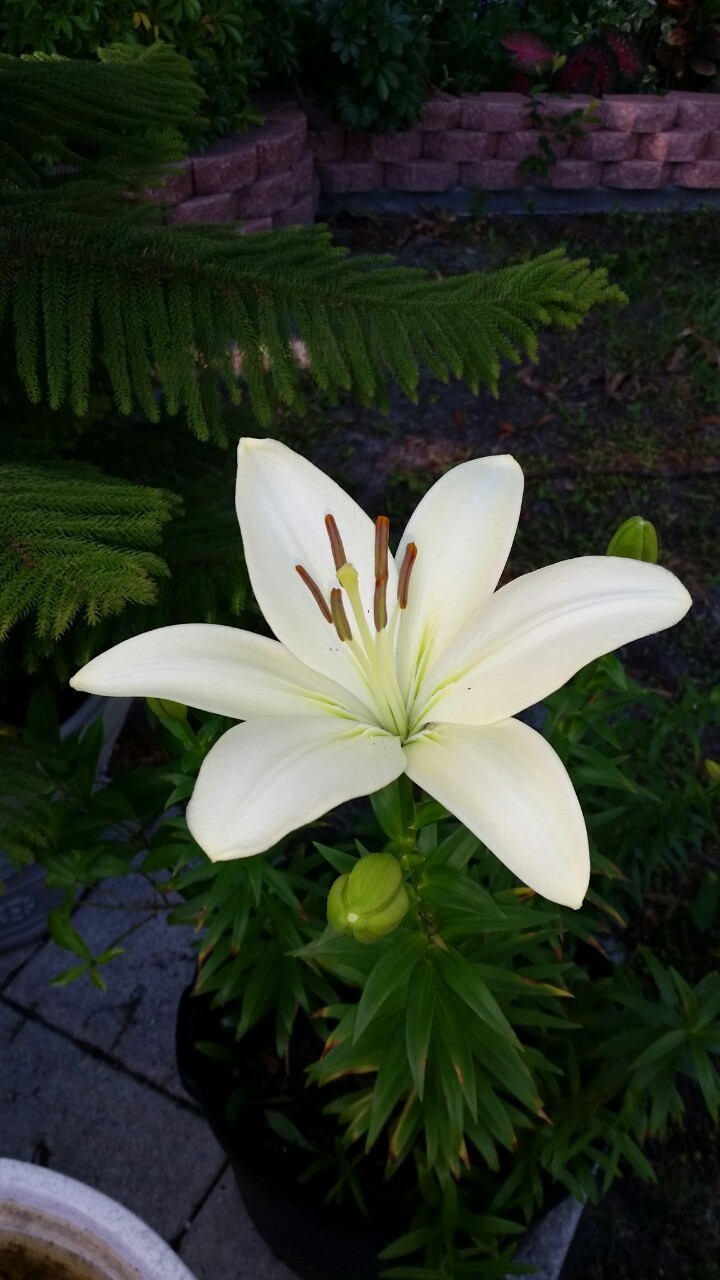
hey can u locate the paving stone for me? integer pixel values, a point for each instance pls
(349, 175)
(677, 144)
(134, 1020)
(227, 165)
(494, 112)
(421, 175)
(12, 961)
(696, 110)
(400, 146)
(459, 144)
(212, 209)
(222, 1243)
(442, 111)
(526, 142)
(268, 195)
(63, 1108)
(639, 113)
(606, 145)
(492, 175)
(327, 144)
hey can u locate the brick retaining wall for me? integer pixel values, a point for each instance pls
(272, 174)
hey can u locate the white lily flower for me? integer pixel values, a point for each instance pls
(387, 665)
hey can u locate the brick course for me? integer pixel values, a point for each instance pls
(348, 175)
(267, 195)
(494, 112)
(400, 146)
(226, 166)
(492, 175)
(459, 144)
(607, 145)
(679, 144)
(636, 175)
(421, 175)
(221, 207)
(702, 174)
(639, 113)
(440, 112)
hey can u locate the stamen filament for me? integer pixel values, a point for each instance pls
(315, 591)
(339, 616)
(382, 537)
(404, 576)
(336, 545)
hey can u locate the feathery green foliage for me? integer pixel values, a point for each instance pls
(74, 541)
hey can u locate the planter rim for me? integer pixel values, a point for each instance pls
(45, 1206)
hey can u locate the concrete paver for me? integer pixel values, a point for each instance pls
(134, 1020)
(61, 1107)
(222, 1243)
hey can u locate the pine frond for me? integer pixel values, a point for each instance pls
(120, 117)
(28, 780)
(363, 323)
(74, 542)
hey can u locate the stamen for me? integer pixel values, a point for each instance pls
(339, 616)
(404, 576)
(336, 545)
(315, 591)
(382, 537)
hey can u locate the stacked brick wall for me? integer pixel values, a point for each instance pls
(271, 175)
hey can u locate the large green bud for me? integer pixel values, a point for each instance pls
(369, 902)
(636, 539)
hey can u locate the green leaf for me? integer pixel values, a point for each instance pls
(63, 933)
(392, 969)
(341, 862)
(419, 1020)
(462, 977)
(394, 808)
(283, 1126)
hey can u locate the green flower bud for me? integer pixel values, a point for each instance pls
(166, 709)
(636, 539)
(369, 902)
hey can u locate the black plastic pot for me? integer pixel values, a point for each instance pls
(317, 1241)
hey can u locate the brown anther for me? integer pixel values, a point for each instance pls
(339, 616)
(315, 591)
(382, 537)
(338, 550)
(404, 576)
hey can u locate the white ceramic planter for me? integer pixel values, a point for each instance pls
(74, 1232)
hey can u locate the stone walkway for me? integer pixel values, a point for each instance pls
(88, 1087)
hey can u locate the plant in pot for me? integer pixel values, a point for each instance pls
(413, 1010)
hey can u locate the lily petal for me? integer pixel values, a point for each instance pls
(509, 787)
(463, 529)
(282, 501)
(268, 777)
(538, 631)
(219, 669)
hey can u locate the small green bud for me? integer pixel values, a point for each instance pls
(369, 902)
(636, 539)
(166, 709)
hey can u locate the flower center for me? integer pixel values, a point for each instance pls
(373, 652)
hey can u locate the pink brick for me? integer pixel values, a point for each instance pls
(280, 144)
(227, 165)
(703, 174)
(639, 113)
(440, 112)
(400, 146)
(712, 149)
(571, 175)
(459, 144)
(177, 186)
(255, 224)
(303, 172)
(679, 144)
(217, 208)
(358, 146)
(696, 110)
(552, 107)
(300, 211)
(350, 175)
(421, 175)
(492, 175)
(606, 145)
(636, 175)
(526, 142)
(267, 195)
(327, 144)
(494, 112)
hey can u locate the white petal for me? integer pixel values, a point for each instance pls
(507, 785)
(282, 501)
(219, 669)
(463, 529)
(268, 777)
(538, 631)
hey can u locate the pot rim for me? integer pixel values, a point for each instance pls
(49, 1207)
